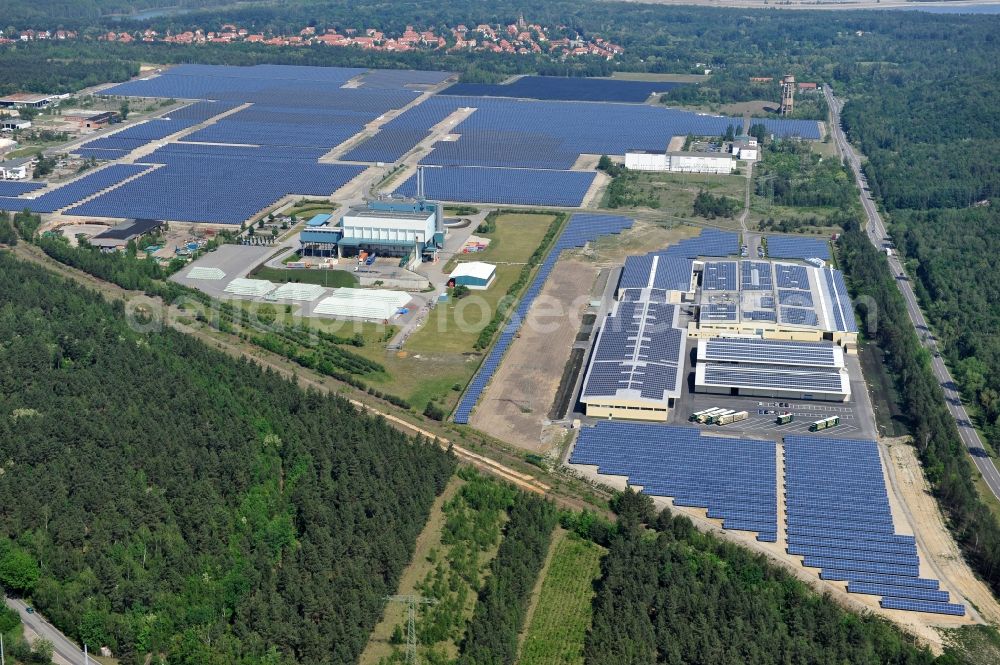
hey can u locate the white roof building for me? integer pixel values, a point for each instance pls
(474, 274)
(369, 304)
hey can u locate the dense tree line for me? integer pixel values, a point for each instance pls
(181, 503)
(675, 595)
(956, 263)
(711, 206)
(935, 435)
(503, 601)
(797, 176)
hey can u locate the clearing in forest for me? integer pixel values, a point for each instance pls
(562, 614)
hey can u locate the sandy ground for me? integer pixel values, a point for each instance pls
(932, 533)
(516, 404)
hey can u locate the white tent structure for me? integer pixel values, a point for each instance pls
(205, 273)
(300, 292)
(372, 304)
(242, 286)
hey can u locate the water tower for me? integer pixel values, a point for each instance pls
(787, 95)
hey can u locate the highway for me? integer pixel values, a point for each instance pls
(64, 649)
(879, 237)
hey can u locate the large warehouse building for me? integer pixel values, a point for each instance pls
(636, 369)
(751, 366)
(412, 230)
(679, 162)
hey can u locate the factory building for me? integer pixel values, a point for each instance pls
(636, 369)
(411, 230)
(679, 162)
(751, 366)
(118, 237)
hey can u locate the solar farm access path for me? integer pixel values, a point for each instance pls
(879, 237)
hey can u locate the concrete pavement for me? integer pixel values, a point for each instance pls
(879, 237)
(65, 651)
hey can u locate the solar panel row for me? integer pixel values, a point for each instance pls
(566, 88)
(579, 230)
(778, 352)
(735, 479)
(74, 191)
(504, 186)
(670, 269)
(797, 247)
(839, 520)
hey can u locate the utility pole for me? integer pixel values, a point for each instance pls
(86, 656)
(2, 661)
(411, 622)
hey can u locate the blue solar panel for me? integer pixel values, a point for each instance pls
(797, 247)
(216, 184)
(922, 606)
(719, 276)
(566, 88)
(756, 276)
(838, 518)
(505, 186)
(735, 479)
(70, 193)
(18, 187)
(579, 230)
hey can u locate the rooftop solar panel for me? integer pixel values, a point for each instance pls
(797, 247)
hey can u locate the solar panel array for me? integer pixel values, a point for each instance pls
(797, 247)
(122, 142)
(795, 298)
(843, 315)
(791, 276)
(719, 276)
(717, 312)
(734, 478)
(756, 276)
(16, 188)
(215, 184)
(838, 518)
(638, 349)
(566, 88)
(777, 352)
(504, 186)
(401, 78)
(798, 316)
(671, 269)
(773, 377)
(579, 230)
(398, 136)
(74, 191)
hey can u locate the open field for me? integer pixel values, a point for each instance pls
(515, 406)
(441, 355)
(330, 278)
(562, 612)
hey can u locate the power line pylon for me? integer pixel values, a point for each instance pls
(411, 622)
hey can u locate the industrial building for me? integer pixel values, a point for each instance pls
(774, 300)
(752, 366)
(119, 236)
(15, 169)
(411, 230)
(475, 275)
(679, 162)
(636, 368)
(88, 120)
(20, 100)
(368, 304)
(745, 147)
(14, 124)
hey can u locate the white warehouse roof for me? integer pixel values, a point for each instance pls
(477, 269)
(363, 303)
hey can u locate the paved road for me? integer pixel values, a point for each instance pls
(65, 650)
(878, 236)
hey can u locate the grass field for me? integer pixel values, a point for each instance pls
(562, 615)
(440, 355)
(676, 191)
(331, 278)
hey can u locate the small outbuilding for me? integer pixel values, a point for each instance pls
(475, 275)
